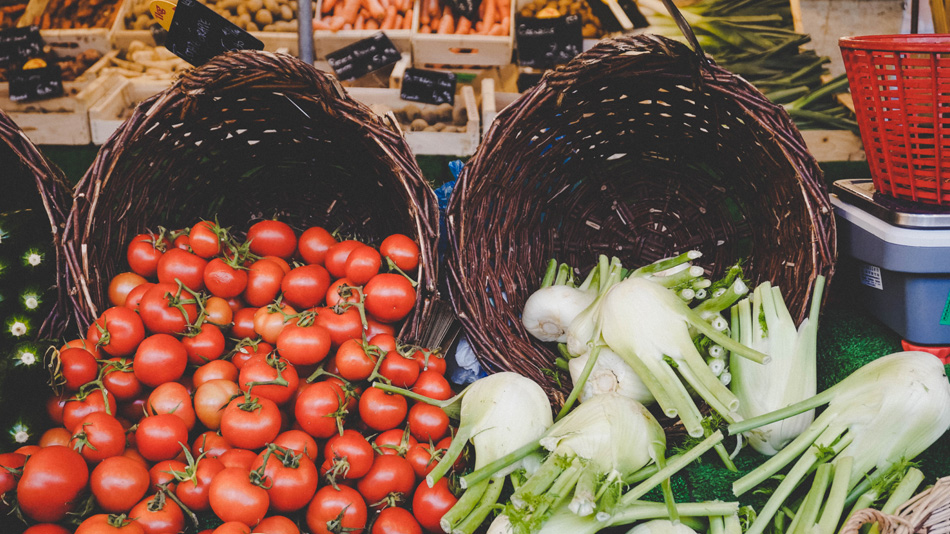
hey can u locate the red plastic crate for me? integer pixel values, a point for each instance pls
(901, 90)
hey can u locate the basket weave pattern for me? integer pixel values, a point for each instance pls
(639, 149)
(928, 513)
(249, 135)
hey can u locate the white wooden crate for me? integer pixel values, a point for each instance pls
(115, 107)
(430, 49)
(430, 143)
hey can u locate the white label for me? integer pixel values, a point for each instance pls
(871, 276)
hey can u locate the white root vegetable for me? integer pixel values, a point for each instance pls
(610, 374)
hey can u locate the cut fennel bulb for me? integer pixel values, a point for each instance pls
(888, 411)
(610, 374)
(548, 312)
(790, 377)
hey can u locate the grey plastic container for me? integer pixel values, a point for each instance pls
(901, 273)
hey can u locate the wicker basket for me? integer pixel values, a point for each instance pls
(927, 513)
(249, 135)
(638, 148)
(30, 179)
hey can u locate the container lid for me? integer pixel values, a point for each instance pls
(899, 212)
(887, 233)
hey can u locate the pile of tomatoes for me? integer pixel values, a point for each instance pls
(230, 389)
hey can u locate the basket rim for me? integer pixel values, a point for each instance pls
(933, 43)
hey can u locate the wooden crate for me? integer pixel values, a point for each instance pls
(430, 143)
(326, 41)
(432, 49)
(73, 41)
(110, 111)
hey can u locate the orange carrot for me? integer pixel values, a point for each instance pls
(351, 8)
(389, 22)
(425, 29)
(327, 6)
(478, 26)
(397, 24)
(433, 7)
(447, 24)
(360, 22)
(489, 16)
(337, 23)
(376, 10)
(321, 24)
(423, 18)
(371, 24)
(496, 29)
(407, 21)
(464, 26)
(385, 3)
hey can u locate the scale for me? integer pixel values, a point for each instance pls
(898, 254)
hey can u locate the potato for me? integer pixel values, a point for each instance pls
(445, 112)
(439, 126)
(263, 17)
(228, 5)
(430, 115)
(450, 129)
(287, 13)
(251, 27)
(142, 22)
(429, 129)
(412, 112)
(254, 5)
(459, 115)
(242, 10)
(418, 125)
(272, 6)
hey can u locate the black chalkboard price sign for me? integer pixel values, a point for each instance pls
(428, 86)
(464, 8)
(197, 34)
(17, 45)
(35, 84)
(363, 57)
(544, 43)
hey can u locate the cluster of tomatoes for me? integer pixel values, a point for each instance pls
(233, 380)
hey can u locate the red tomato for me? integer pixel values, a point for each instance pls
(342, 506)
(205, 345)
(159, 312)
(270, 320)
(354, 361)
(173, 398)
(430, 504)
(314, 243)
(109, 524)
(158, 515)
(374, 327)
(427, 423)
(9, 462)
(389, 297)
(160, 358)
(343, 290)
(423, 458)
(403, 251)
(118, 483)
(429, 360)
(50, 485)
(117, 331)
(385, 342)
(211, 398)
(303, 345)
(272, 238)
(177, 264)
(380, 410)
(347, 456)
(318, 409)
(362, 264)
(234, 498)
(246, 350)
(298, 441)
(84, 403)
(305, 286)
(243, 327)
(242, 458)
(433, 385)
(47, 528)
(389, 480)
(121, 284)
(98, 436)
(342, 324)
(269, 378)
(134, 298)
(218, 312)
(203, 239)
(397, 441)
(215, 370)
(77, 367)
(224, 279)
(143, 253)
(194, 487)
(290, 478)
(276, 524)
(163, 474)
(55, 436)
(263, 282)
(400, 370)
(250, 422)
(181, 242)
(119, 379)
(395, 521)
(232, 527)
(161, 437)
(335, 259)
(211, 444)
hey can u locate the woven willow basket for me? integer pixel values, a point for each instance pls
(249, 135)
(31, 180)
(638, 148)
(927, 513)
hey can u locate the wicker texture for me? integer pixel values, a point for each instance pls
(928, 512)
(27, 172)
(638, 148)
(249, 135)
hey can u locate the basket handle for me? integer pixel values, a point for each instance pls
(687, 31)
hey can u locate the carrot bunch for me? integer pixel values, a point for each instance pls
(338, 15)
(494, 18)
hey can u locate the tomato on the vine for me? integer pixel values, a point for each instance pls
(298, 441)
(272, 238)
(395, 520)
(319, 409)
(343, 290)
(335, 259)
(224, 279)
(214, 370)
(396, 441)
(205, 345)
(234, 498)
(173, 398)
(427, 423)
(381, 410)
(289, 477)
(203, 239)
(86, 402)
(341, 322)
(343, 506)
(122, 284)
(218, 312)
(423, 457)
(430, 504)
(52, 481)
(194, 483)
(143, 253)
(211, 444)
(270, 320)
(303, 345)
(178, 264)
(211, 397)
(158, 514)
(389, 297)
(77, 367)
(159, 358)
(390, 480)
(9, 463)
(430, 361)
(243, 326)
(98, 436)
(247, 350)
(160, 474)
(347, 456)
(117, 331)
(118, 483)
(134, 298)
(400, 370)
(161, 437)
(355, 360)
(268, 377)
(305, 286)
(109, 524)
(432, 384)
(119, 379)
(314, 243)
(402, 250)
(361, 264)
(165, 309)
(250, 422)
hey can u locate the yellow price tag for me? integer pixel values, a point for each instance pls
(162, 11)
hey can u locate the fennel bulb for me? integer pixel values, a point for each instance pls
(790, 377)
(548, 312)
(649, 327)
(610, 373)
(661, 526)
(888, 411)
